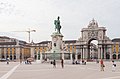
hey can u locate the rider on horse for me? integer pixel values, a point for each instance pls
(57, 24)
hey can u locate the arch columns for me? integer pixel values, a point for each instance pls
(99, 52)
(110, 50)
(85, 53)
(105, 51)
(94, 32)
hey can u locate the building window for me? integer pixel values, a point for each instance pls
(73, 47)
(114, 50)
(114, 46)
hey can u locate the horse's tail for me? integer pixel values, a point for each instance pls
(60, 26)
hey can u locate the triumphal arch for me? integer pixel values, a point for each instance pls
(87, 50)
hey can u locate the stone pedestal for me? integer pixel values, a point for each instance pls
(56, 43)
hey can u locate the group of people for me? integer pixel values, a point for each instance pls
(103, 65)
(28, 62)
(83, 62)
(54, 63)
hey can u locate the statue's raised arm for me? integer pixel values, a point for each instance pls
(57, 25)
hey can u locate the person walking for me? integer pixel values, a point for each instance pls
(20, 61)
(102, 65)
(7, 60)
(113, 66)
(54, 64)
(62, 63)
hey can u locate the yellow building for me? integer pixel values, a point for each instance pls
(16, 49)
(13, 49)
(116, 48)
(41, 48)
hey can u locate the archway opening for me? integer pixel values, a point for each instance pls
(107, 56)
(114, 56)
(93, 49)
(118, 56)
(79, 56)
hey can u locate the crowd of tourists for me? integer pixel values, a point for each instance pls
(83, 62)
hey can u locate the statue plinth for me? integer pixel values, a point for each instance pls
(56, 42)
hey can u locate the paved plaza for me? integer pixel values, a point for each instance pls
(46, 71)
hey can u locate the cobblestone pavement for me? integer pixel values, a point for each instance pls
(46, 71)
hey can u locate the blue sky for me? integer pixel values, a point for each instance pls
(20, 15)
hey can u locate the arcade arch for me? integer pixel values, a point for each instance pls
(93, 32)
(118, 56)
(93, 49)
(114, 56)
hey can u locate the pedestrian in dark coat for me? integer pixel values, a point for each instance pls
(62, 63)
(54, 64)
